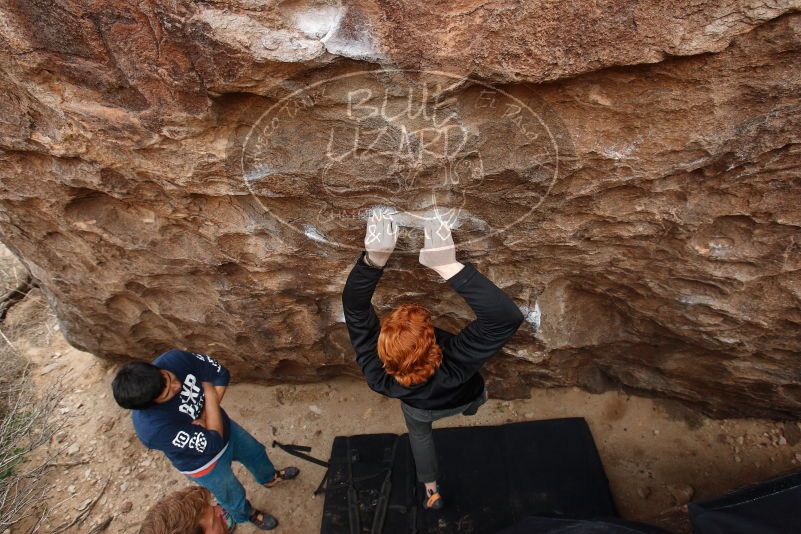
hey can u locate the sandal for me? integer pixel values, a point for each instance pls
(283, 474)
(230, 524)
(263, 520)
(435, 502)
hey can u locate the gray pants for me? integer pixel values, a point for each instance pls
(421, 438)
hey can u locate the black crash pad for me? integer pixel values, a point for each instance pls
(491, 477)
(549, 525)
(772, 507)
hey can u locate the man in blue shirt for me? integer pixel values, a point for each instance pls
(176, 409)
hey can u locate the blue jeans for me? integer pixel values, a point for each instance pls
(221, 482)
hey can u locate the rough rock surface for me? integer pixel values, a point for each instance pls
(195, 174)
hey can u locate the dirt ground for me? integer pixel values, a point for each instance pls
(657, 454)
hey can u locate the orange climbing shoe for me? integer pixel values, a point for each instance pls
(435, 502)
(283, 474)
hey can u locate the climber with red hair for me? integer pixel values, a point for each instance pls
(434, 373)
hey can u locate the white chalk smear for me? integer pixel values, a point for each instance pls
(533, 316)
(613, 152)
(314, 234)
(258, 173)
(318, 22)
(697, 299)
(356, 41)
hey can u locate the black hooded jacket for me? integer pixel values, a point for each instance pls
(457, 381)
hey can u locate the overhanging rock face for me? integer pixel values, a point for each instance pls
(196, 174)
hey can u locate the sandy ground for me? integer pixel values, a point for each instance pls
(657, 454)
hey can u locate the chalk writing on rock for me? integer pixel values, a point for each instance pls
(413, 144)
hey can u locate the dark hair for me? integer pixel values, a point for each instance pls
(137, 385)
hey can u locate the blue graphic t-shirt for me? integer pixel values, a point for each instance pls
(168, 427)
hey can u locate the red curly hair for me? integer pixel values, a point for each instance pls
(406, 345)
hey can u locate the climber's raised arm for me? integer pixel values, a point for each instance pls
(360, 317)
(497, 316)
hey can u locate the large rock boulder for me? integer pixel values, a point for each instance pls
(196, 174)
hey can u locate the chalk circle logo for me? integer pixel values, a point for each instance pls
(416, 144)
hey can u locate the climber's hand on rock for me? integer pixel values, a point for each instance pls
(381, 237)
(439, 252)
